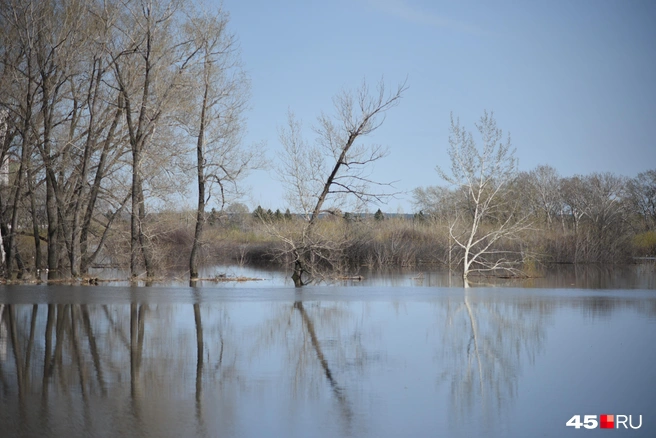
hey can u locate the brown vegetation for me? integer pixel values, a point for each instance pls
(402, 241)
(366, 242)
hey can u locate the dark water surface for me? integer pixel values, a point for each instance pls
(325, 361)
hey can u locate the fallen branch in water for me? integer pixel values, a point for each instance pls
(221, 278)
(355, 278)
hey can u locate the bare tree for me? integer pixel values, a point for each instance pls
(216, 119)
(43, 40)
(88, 83)
(605, 205)
(642, 197)
(150, 56)
(320, 178)
(542, 185)
(483, 177)
(596, 203)
(63, 103)
(436, 201)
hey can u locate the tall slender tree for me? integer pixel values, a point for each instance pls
(215, 118)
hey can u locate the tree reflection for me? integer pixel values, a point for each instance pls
(324, 345)
(337, 390)
(78, 365)
(199, 368)
(486, 343)
(93, 349)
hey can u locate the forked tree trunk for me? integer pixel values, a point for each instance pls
(85, 258)
(297, 275)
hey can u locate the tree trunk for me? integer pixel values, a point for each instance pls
(200, 220)
(3, 256)
(297, 275)
(134, 219)
(53, 222)
(145, 247)
(14, 214)
(138, 138)
(47, 103)
(89, 148)
(35, 222)
(138, 244)
(4, 230)
(85, 259)
(200, 212)
(25, 152)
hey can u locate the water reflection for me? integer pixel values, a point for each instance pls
(485, 343)
(638, 276)
(194, 364)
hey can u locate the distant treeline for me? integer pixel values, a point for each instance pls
(596, 218)
(600, 217)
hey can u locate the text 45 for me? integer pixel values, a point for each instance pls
(606, 421)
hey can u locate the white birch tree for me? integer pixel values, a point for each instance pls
(483, 175)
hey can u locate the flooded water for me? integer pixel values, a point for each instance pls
(324, 361)
(637, 276)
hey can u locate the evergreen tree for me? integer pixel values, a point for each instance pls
(259, 213)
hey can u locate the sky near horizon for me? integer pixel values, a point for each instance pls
(573, 81)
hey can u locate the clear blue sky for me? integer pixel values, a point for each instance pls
(573, 81)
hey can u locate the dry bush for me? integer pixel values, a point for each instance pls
(345, 246)
(396, 242)
(645, 244)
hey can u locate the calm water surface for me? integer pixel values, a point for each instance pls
(325, 361)
(560, 276)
